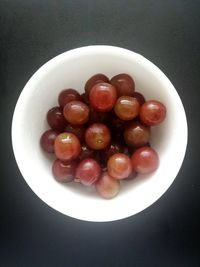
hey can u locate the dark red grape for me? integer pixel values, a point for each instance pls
(103, 97)
(140, 98)
(67, 96)
(145, 160)
(88, 171)
(85, 98)
(124, 84)
(107, 186)
(64, 172)
(76, 112)
(47, 140)
(67, 146)
(127, 108)
(136, 134)
(86, 152)
(119, 166)
(152, 112)
(97, 136)
(97, 78)
(79, 131)
(56, 119)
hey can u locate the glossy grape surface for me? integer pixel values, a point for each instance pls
(119, 166)
(136, 134)
(67, 146)
(124, 84)
(47, 140)
(127, 108)
(107, 186)
(88, 171)
(103, 97)
(56, 119)
(64, 172)
(97, 136)
(76, 112)
(152, 112)
(67, 96)
(145, 160)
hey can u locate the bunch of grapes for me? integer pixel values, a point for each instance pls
(102, 136)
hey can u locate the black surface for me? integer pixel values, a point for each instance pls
(167, 233)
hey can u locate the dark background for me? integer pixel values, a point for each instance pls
(167, 33)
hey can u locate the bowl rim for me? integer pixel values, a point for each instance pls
(88, 50)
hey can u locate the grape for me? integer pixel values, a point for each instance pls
(97, 78)
(85, 98)
(145, 160)
(76, 112)
(79, 131)
(136, 134)
(96, 116)
(152, 112)
(47, 140)
(113, 148)
(124, 84)
(140, 98)
(86, 152)
(103, 97)
(67, 96)
(67, 146)
(127, 108)
(107, 186)
(97, 136)
(56, 119)
(88, 171)
(64, 172)
(119, 166)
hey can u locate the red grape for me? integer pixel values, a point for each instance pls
(79, 131)
(97, 136)
(127, 108)
(67, 146)
(88, 171)
(56, 119)
(136, 134)
(64, 172)
(119, 166)
(67, 96)
(103, 97)
(47, 140)
(145, 160)
(86, 152)
(97, 78)
(124, 84)
(152, 112)
(76, 112)
(107, 186)
(140, 98)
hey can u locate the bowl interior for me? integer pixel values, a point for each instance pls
(71, 70)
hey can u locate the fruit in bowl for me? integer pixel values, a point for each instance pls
(117, 96)
(71, 70)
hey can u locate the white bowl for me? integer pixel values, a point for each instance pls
(71, 70)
